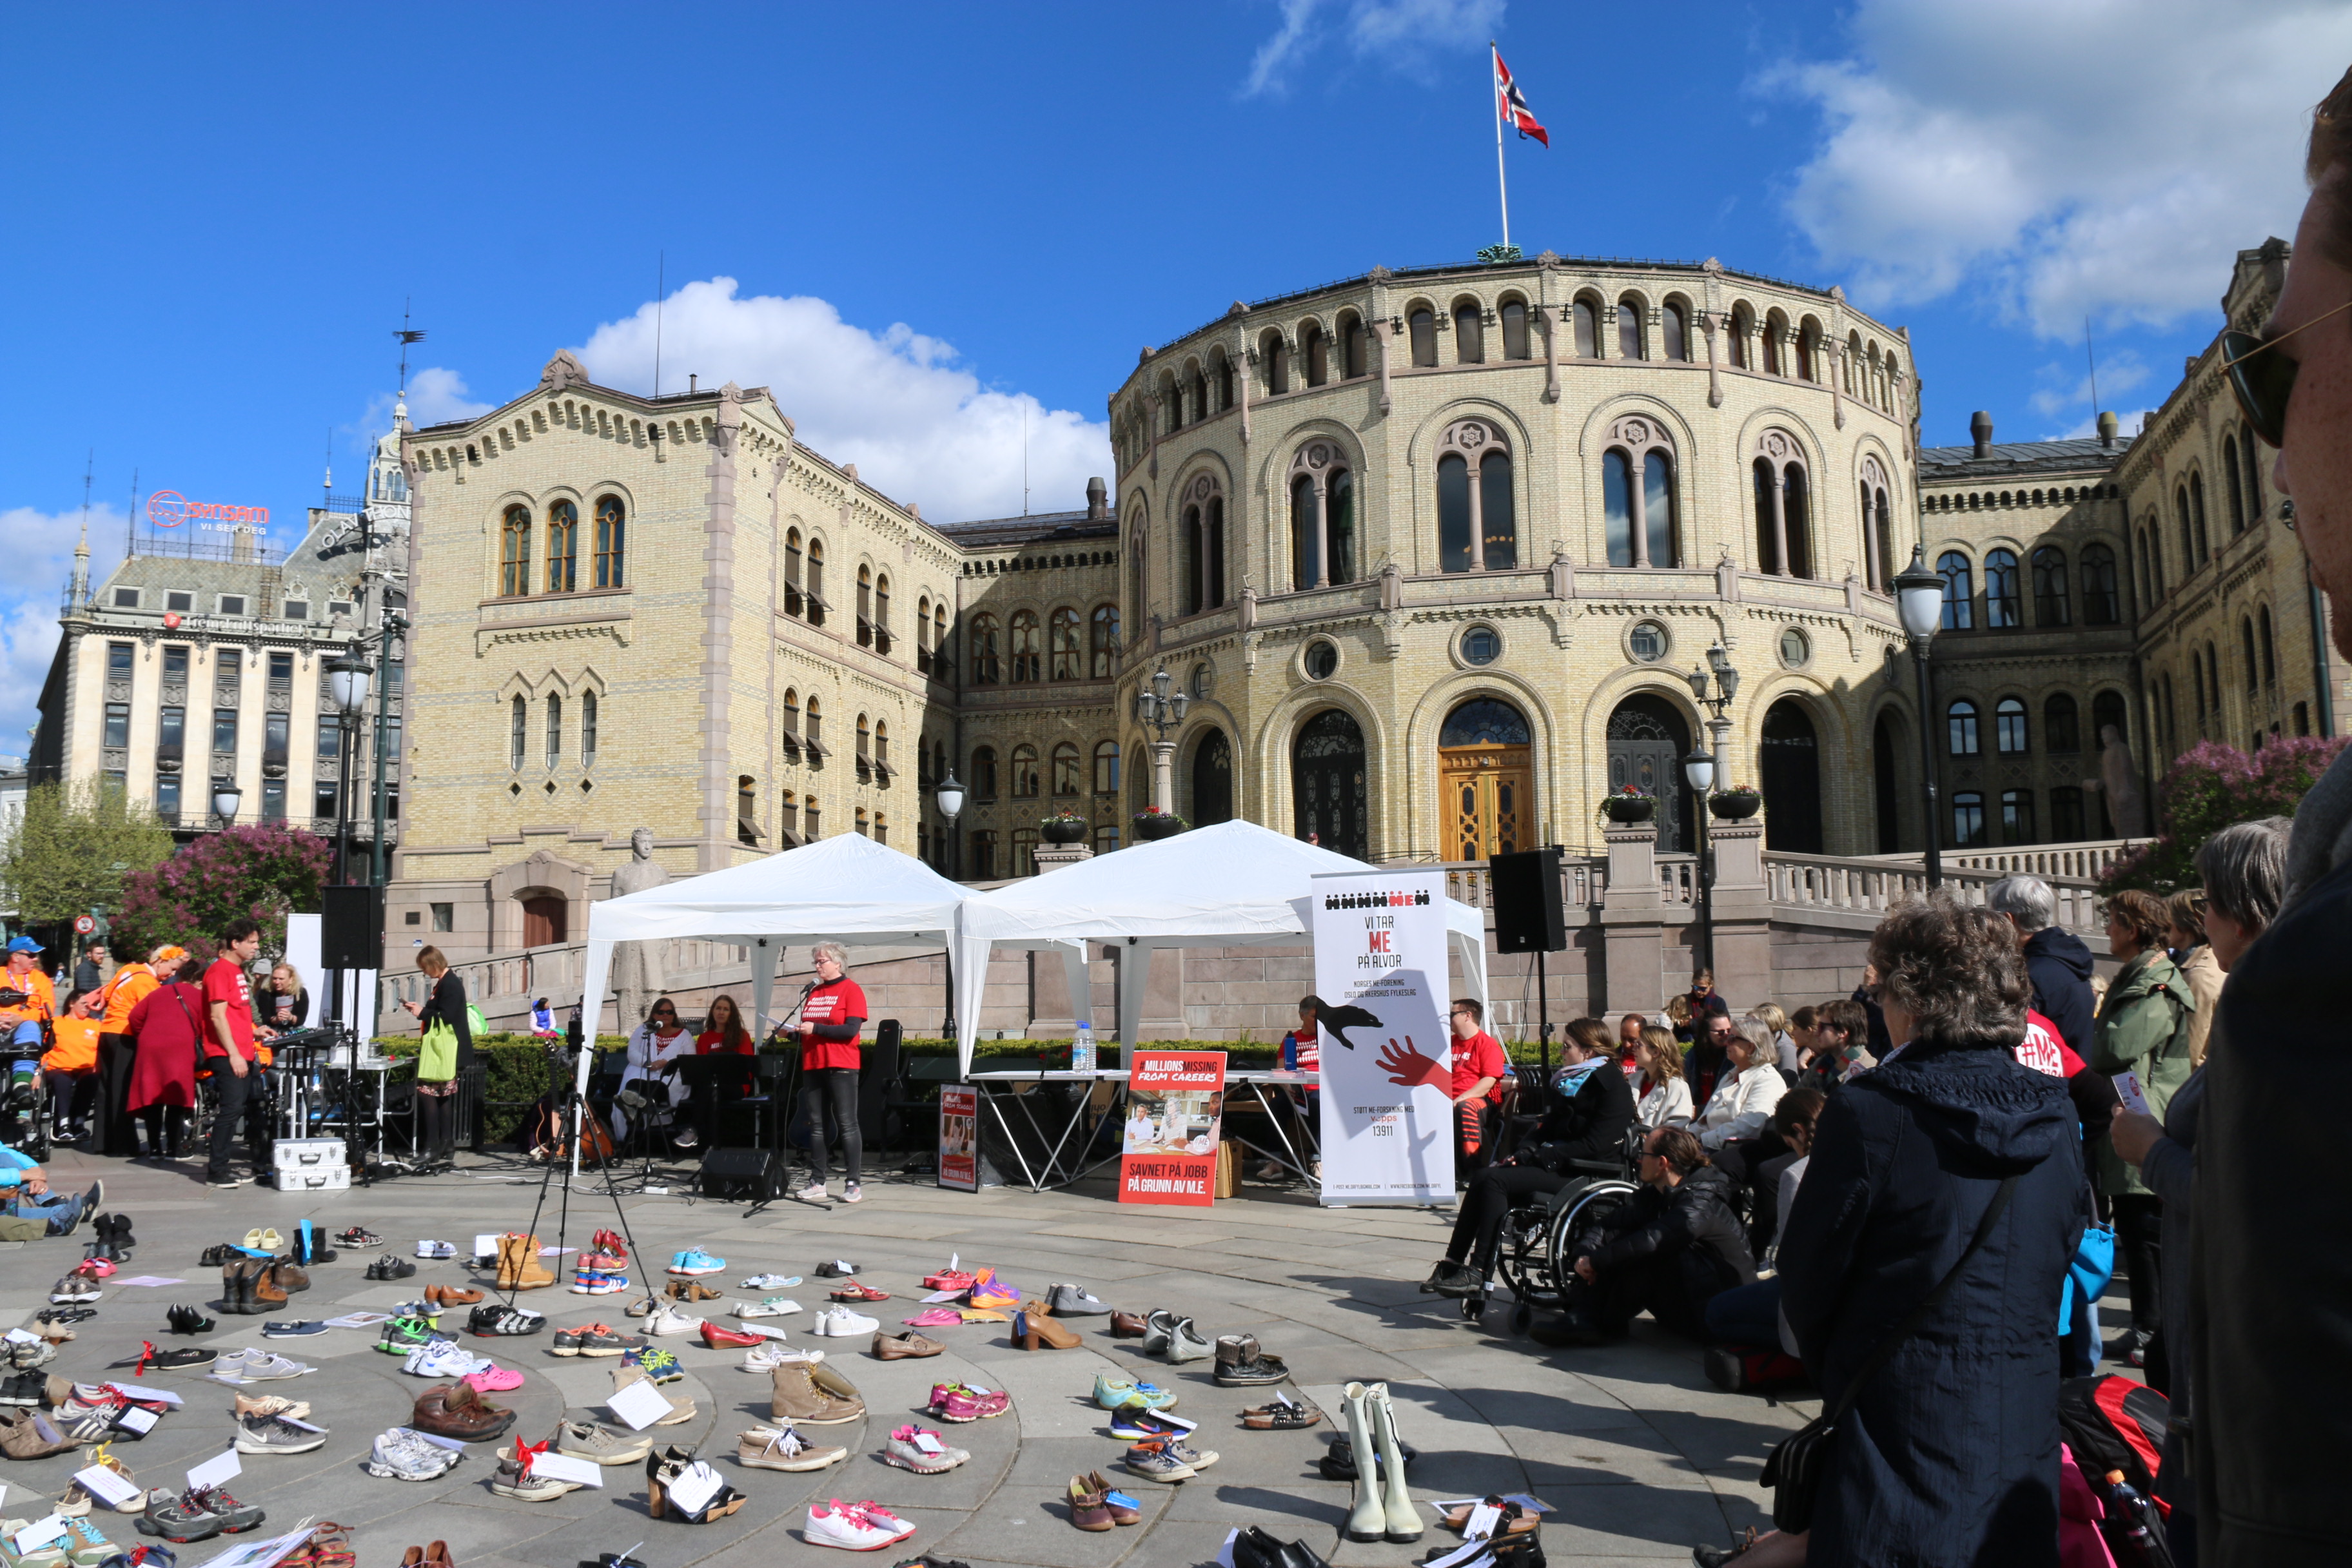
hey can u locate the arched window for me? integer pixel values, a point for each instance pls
(1477, 520)
(882, 611)
(2236, 490)
(818, 605)
(612, 541)
(1107, 767)
(1203, 564)
(816, 734)
(1172, 402)
(2053, 605)
(1276, 356)
(942, 655)
(1783, 507)
(2101, 605)
(923, 634)
(514, 553)
(1136, 570)
(2008, 728)
(1776, 328)
(2270, 652)
(983, 773)
(1025, 779)
(1961, 721)
(1877, 529)
(1808, 352)
(865, 607)
(554, 729)
(793, 574)
(1959, 591)
(1028, 656)
(1743, 327)
(1066, 768)
(1322, 517)
(1588, 330)
(1200, 394)
(1514, 329)
(1314, 349)
(1355, 346)
(1062, 643)
(1103, 640)
(2062, 733)
(2254, 505)
(2197, 512)
(1469, 335)
(859, 825)
(791, 731)
(865, 755)
(2188, 531)
(1629, 330)
(588, 706)
(518, 728)
(563, 548)
(788, 819)
(1221, 379)
(985, 650)
(1421, 324)
(2246, 651)
(809, 818)
(2001, 608)
(1194, 553)
(1676, 331)
(1330, 793)
(1637, 483)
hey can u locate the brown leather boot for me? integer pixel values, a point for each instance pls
(290, 1275)
(267, 1294)
(518, 1265)
(234, 1295)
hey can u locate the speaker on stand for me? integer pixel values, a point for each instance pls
(350, 949)
(1530, 916)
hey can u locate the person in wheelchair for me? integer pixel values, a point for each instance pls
(1591, 1105)
(1671, 1249)
(28, 1009)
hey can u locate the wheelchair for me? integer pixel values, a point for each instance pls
(1536, 1250)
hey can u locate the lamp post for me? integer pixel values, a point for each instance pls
(392, 623)
(225, 795)
(948, 793)
(1698, 771)
(1726, 681)
(1162, 712)
(348, 678)
(1919, 601)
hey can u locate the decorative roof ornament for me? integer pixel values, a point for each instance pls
(562, 371)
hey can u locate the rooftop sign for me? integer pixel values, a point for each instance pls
(169, 508)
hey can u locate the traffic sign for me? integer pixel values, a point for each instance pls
(84, 925)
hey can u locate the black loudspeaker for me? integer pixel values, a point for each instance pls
(350, 928)
(875, 1083)
(1528, 913)
(755, 1173)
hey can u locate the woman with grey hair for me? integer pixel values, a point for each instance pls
(833, 1010)
(1744, 1099)
(2243, 869)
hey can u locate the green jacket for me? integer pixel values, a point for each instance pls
(2143, 1029)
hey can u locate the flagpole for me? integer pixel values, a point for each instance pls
(1494, 91)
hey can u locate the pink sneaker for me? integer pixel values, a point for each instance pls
(856, 1526)
(957, 1402)
(494, 1380)
(935, 1318)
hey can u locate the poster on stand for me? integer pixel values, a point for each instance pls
(960, 1137)
(1174, 1101)
(1381, 968)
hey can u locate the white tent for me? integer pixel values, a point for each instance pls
(846, 888)
(1233, 885)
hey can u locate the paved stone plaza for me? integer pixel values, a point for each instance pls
(1638, 1454)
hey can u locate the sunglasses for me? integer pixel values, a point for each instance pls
(2264, 383)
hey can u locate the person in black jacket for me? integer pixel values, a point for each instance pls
(1591, 1107)
(1671, 1249)
(436, 1101)
(2057, 962)
(1949, 1454)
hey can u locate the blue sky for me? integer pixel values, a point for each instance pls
(926, 231)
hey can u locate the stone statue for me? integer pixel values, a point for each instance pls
(2119, 781)
(636, 965)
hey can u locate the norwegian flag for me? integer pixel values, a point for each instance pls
(1513, 104)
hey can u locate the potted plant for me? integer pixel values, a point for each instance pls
(1153, 823)
(1063, 828)
(1628, 805)
(1736, 803)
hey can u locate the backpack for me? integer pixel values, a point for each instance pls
(2115, 1424)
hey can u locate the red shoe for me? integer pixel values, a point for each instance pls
(948, 1280)
(721, 1339)
(856, 1292)
(613, 1246)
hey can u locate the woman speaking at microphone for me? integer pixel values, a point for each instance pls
(832, 1014)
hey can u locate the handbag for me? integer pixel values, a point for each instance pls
(1794, 1468)
(436, 1061)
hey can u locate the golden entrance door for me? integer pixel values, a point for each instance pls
(1488, 793)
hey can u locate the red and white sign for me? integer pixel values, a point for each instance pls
(959, 1165)
(169, 508)
(84, 925)
(1381, 967)
(1174, 1101)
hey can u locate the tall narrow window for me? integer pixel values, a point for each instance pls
(2101, 604)
(1497, 514)
(983, 773)
(1469, 335)
(514, 553)
(1961, 720)
(1629, 330)
(1107, 767)
(2270, 652)
(1658, 507)
(815, 728)
(1453, 513)
(1066, 768)
(1677, 333)
(1796, 504)
(2061, 731)
(1587, 330)
(1340, 518)
(588, 707)
(1025, 778)
(1306, 533)
(1769, 557)
(1422, 326)
(1193, 552)
(1316, 350)
(816, 600)
(1515, 329)
(2246, 652)
(612, 541)
(1062, 634)
(2067, 814)
(2197, 512)
(865, 607)
(1885, 510)
(2052, 604)
(518, 724)
(986, 667)
(1213, 544)
(118, 725)
(2188, 559)
(1617, 505)
(554, 729)
(2002, 610)
(1959, 591)
(1028, 655)
(2236, 491)
(2008, 728)
(1967, 820)
(1103, 640)
(2017, 817)
(563, 547)
(794, 583)
(1355, 353)
(1743, 326)
(882, 612)
(2255, 503)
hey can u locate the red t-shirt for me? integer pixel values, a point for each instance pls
(1480, 1055)
(2042, 1050)
(711, 1042)
(834, 1003)
(226, 982)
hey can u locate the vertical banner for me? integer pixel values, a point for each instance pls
(960, 1137)
(1174, 1106)
(1381, 968)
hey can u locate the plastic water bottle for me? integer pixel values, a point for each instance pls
(2129, 1534)
(1082, 1050)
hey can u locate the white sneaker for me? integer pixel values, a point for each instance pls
(667, 1320)
(840, 1322)
(858, 1526)
(773, 1307)
(770, 1282)
(852, 1193)
(765, 1356)
(442, 1360)
(812, 1194)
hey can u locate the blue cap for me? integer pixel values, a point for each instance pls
(25, 944)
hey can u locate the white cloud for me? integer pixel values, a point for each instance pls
(2104, 158)
(1399, 33)
(2127, 422)
(900, 404)
(2065, 389)
(40, 548)
(435, 394)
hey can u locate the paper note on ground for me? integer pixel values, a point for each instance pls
(640, 1405)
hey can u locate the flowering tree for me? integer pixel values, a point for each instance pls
(2209, 787)
(266, 871)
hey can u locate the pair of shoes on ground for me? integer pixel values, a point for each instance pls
(858, 1526)
(1096, 1505)
(405, 1454)
(1074, 1301)
(1167, 1334)
(815, 1192)
(1382, 1508)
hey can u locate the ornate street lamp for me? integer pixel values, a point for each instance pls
(1162, 712)
(348, 679)
(1919, 601)
(949, 795)
(1698, 771)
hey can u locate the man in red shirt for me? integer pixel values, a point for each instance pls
(229, 1043)
(1478, 1066)
(831, 1015)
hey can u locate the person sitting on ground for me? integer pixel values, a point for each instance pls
(1478, 1064)
(2197, 964)
(1757, 1161)
(30, 1208)
(542, 1020)
(1663, 1099)
(1591, 1107)
(1746, 1097)
(1837, 1054)
(1670, 1249)
(1709, 1061)
(1784, 1053)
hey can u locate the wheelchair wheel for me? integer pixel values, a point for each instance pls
(1524, 1254)
(1596, 1200)
(1522, 1318)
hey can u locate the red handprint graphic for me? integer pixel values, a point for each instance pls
(1408, 1068)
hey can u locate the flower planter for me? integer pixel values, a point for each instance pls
(1735, 807)
(1059, 830)
(1629, 809)
(1157, 827)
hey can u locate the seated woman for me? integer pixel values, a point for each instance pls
(1670, 1250)
(1661, 1097)
(1591, 1106)
(1746, 1094)
(720, 1071)
(30, 1207)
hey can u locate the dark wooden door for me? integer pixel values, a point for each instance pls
(1647, 742)
(1791, 781)
(1330, 799)
(544, 920)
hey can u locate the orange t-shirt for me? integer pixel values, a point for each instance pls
(77, 1048)
(130, 986)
